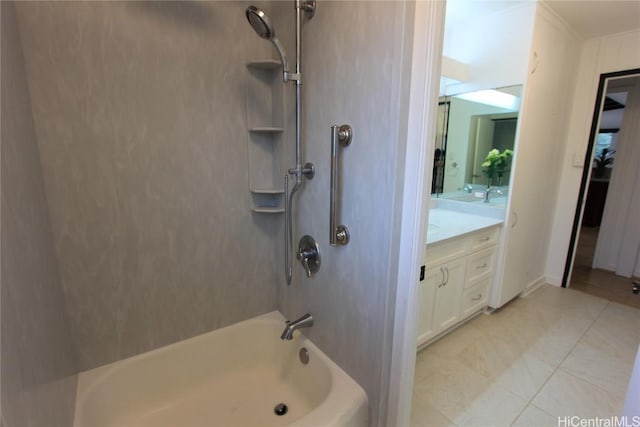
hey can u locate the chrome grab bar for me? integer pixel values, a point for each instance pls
(287, 234)
(338, 234)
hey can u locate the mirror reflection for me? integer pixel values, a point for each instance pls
(471, 127)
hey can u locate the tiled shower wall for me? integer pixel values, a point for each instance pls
(354, 68)
(140, 117)
(39, 363)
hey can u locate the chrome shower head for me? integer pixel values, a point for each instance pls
(262, 26)
(260, 23)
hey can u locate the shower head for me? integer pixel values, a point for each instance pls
(262, 26)
(260, 23)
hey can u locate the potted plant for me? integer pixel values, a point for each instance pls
(496, 164)
(601, 161)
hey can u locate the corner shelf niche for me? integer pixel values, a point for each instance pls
(265, 126)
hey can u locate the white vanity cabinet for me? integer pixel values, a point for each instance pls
(457, 281)
(446, 310)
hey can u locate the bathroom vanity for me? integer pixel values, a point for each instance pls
(460, 264)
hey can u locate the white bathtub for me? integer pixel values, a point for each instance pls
(233, 376)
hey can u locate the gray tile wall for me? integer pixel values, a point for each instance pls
(140, 117)
(352, 73)
(39, 363)
(140, 114)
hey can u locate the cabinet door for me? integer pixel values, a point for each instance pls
(448, 295)
(433, 278)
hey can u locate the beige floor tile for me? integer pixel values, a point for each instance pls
(525, 376)
(600, 368)
(449, 386)
(535, 417)
(556, 343)
(425, 415)
(486, 372)
(452, 344)
(494, 407)
(616, 331)
(567, 395)
(489, 356)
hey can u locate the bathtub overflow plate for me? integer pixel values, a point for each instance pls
(280, 409)
(304, 355)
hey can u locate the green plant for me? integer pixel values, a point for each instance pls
(603, 159)
(496, 163)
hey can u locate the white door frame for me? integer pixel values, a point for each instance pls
(423, 106)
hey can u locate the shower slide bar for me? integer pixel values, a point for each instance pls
(338, 234)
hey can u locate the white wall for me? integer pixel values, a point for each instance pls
(459, 140)
(543, 116)
(493, 59)
(606, 54)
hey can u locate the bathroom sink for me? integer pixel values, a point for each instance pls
(494, 201)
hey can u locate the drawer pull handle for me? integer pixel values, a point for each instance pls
(481, 266)
(485, 239)
(476, 298)
(442, 282)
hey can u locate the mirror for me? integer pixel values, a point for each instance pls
(470, 125)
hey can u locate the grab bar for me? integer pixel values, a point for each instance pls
(338, 234)
(288, 270)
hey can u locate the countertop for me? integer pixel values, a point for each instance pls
(445, 223)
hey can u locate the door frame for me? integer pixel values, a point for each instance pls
(586, 171)
(413, 202)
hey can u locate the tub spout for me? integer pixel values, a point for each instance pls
(303, 322)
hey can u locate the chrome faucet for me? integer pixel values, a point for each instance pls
(488, 191)
(303, 322)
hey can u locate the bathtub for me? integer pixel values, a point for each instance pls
(234, 376)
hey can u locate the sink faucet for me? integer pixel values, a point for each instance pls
(488, 191)
(303, 322)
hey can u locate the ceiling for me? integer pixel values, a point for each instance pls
(595, 18)
(589, 18)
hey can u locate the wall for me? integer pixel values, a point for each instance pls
(600, 55)
(38, 356)
(352, 75)
(459, 140)
(492, 59)
(140, 117)
(618, 243)
(544, 113)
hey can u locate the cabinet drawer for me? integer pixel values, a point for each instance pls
(480, 265)
(483, 239)
(475, 298)
(440, 252)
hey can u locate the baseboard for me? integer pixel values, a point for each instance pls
(533, 285)
(554, 280)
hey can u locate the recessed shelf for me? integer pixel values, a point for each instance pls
(266, 129)
(269, 210)
(267, 191)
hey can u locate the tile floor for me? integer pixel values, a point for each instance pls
(557, 352)
(600, 283)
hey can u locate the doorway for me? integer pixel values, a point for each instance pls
(604, 251)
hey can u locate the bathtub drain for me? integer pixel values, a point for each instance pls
(280, 409)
